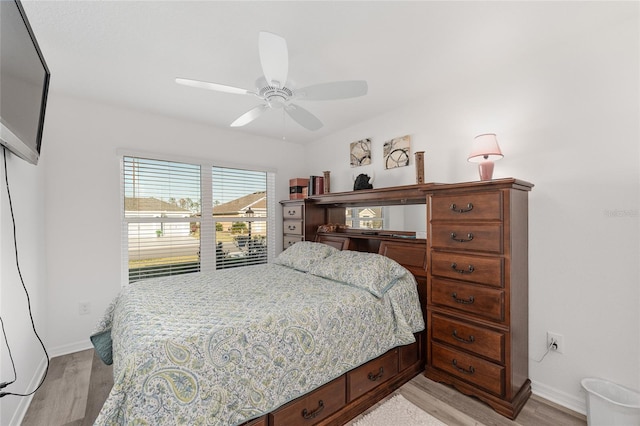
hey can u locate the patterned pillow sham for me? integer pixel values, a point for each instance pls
(369, 271)
(302, 255)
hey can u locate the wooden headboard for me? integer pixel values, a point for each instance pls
(410, 252)
(338, 241)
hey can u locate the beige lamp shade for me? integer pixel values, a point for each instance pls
(484, 152)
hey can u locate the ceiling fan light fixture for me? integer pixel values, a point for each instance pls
(272, 90)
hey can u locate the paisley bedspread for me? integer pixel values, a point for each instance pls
(225, 347)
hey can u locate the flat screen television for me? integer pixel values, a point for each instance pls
(24, 84)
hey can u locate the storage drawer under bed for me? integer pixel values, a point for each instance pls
(313, 407)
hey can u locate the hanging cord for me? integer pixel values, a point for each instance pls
(15, 246)
(6, 341)
(552, 345)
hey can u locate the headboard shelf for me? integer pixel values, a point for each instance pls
(410, 194)
(394, 195)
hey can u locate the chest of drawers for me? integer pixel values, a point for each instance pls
(301, 218)
(477, 291)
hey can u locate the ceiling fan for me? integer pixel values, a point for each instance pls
(272, 89)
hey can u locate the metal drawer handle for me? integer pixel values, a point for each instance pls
(313, 414)
(469, 270)
(291, 227)
(468, 301)
(462, 240)
(471, 370)
(374, 377)
(291, 212)
(453, 208)
(470, 340)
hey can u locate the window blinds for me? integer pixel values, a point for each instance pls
(169, 229)
(162, 212)
(240, 212)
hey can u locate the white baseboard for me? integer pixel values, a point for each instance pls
(23, 405)
(572, 402)
(70, 348)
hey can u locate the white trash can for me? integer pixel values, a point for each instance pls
(609, 404)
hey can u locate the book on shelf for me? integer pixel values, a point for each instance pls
(316, 185)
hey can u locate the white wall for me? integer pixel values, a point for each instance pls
(83, 197)
(567, 121)
(25, 183)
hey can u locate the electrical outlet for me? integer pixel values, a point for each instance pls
(84, 308)
(555, 341)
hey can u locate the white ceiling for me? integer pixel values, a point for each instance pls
(129, 53)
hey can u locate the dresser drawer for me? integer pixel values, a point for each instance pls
(292, 212)
(261, 421)
(292, 227)
(290, 240)
(408, 355)
(467, 236)
(479, 372)
(469, 337)
(313, 407)
(486, 206)
(368, 376)
(478, 269)
(473, 299)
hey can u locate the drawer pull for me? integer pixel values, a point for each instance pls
(313, 414)
(291, 212)
(462, 240)
(470, 340)
(453, 208)
(468, 301)
(374, 377)
(291, 227)
(471, 370)
(469, 270)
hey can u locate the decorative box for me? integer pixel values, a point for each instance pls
(298, 188)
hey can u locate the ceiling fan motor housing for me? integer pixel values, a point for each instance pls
(275, 96)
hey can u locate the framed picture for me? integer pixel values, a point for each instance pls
(396, 152)
(361, 153)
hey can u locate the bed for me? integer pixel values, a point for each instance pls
(241, 344)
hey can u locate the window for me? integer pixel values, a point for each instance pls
(240, 216)
(365, 217)
(184, 217)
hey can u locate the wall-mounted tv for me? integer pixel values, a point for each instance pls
(24, 84)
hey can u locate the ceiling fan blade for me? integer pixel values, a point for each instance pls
(274, 58)
(249, 116)
(334, 90)
(303, 117)
(213, 86)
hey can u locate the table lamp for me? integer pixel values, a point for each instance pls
(485, 151)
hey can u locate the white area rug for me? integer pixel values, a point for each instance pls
(398, 411)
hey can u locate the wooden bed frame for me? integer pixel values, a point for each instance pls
(344, 398)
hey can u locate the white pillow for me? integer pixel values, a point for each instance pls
(302, 255)
(369, 271)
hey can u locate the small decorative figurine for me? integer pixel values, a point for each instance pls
(362, 182)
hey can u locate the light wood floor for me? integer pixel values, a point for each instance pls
(78, 384)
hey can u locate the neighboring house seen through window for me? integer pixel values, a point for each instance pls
(187, 217)
(365, 217)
